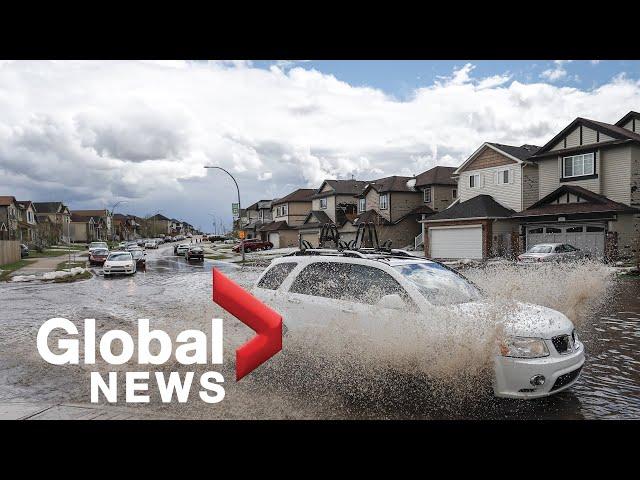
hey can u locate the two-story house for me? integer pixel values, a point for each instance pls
(335, 202)
(106, 217)
(589, 181)
(394, 205)
(27, 221)
(439, 187)
(496, 181)
(288, 213)
(8, 218)
(254, 216)
(87, 228)
(54, 220)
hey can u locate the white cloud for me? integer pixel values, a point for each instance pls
(556, 73)
(92, 132)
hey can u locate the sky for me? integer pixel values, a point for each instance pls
(92, 133)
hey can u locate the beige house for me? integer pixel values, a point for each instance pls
(589, 176)
(496, 181)
(27, 221)
(254, 217)
(439, 187)
(104, 214)
(288, 213)
(87, 228)
(54, 219)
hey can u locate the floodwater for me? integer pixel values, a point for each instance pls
(307, 380)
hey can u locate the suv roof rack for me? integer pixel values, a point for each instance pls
(369, 253)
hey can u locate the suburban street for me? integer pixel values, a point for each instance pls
(302, 381)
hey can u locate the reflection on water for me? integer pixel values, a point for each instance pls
(176, 295)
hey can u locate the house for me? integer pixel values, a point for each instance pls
(27, 221)
(506, 180)
(394, 205)
(106, 217)
(254, 216)
(8, 218)
(335, 202)
(288, 213)
(438, 186)
(126, 227)
(85, 228)
(589, 176)
(157, 225)
(54, 219)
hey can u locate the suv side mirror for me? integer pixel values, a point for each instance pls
(392, 302)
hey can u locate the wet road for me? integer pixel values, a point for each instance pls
(301, 382)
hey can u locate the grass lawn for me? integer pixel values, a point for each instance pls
(6, 270)
(47, 253)
(73, 278)
(66, 265)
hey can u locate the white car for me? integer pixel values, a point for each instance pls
(98, 245)
(119, 262)
(150, 244)
(182, 248)
(551, 252)
(538, 353)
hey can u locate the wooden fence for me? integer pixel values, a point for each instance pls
(9, 251)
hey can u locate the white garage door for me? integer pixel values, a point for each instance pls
(587, 236)
(455, 242)
(275, 239)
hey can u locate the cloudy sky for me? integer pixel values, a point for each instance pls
(93, 133)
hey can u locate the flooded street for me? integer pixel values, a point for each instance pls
(304, 382)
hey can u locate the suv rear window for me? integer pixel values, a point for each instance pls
(274, 277)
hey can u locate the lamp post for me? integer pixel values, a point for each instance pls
(113, 208)
(239, 206)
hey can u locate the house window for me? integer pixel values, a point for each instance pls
(362, 204)
(383, 202)
(553, 230)
(323, 203)
(578, 165)
(454, 193)
(503, 176)
(574, 230)
(427, 195)
(285, 209)
(474, 180)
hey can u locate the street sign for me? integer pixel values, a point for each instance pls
(235, 208)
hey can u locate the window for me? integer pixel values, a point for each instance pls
(574, 230)
(323, 203)
(285, 209)
(274, 277)
(322, 279)
(535, 230)
(503, 176)
(427, 195)
(569, 248)
(454, 193)
(362, 204)
(383, 201)
(553, 230)
(595, 229)
(578, 165)
(474, 180)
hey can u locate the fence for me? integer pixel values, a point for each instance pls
(9, 251)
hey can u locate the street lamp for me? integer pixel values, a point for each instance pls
(113, 208)
(239, 206)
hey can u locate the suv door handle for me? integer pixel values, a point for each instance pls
(293, 300)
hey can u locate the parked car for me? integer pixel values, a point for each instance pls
(96, 245)
(24, 250)
(551, 252)
(119, 262)
(131, 245)
(537, 351)
(181, 249)
(151, 244)
(141, 242)
(194, 253)
(98, 256)
(122, 245)
(253, 245)
(159, 240)
(168, 239)
(140, 258)
(230, 241)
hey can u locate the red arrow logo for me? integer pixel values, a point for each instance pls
(256, 315)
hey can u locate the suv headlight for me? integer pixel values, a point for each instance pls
(523, 347)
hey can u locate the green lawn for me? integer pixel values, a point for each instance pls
(47, 253)
(66, 265)
(6, 270)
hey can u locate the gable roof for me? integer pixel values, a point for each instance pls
(159, 217)
(299, 195)
(273, 226)
(6, 200)
(394, 183)
(594, 202)
(618, 133)
(438, 175)
(319, 217)
(627, 117)
(48, 207)
(341, 187)
(92, 213)
(517, 154)
(371, 216)
(481, 206)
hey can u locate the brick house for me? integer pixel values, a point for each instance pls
(288, 213)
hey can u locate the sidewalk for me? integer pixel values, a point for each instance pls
(70, 411)
(46, 264)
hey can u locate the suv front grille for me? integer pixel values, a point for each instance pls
(566, 379)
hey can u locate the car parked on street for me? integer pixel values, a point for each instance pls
(119, 262)
(253, 245)
(181, 249)
(24, 250)
(537, 352)
(98, 256)
(168, 239)
(141, 241)
(194, 253)
(96, 245)
(551, 252)
(140, 258)
(122, 245)
(151, 244)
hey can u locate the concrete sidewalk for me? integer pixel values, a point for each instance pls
(47, 264)
(70, 411)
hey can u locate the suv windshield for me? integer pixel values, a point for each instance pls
(438, 284)
(540, 249)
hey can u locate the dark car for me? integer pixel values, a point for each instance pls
(24, 250)
(140, 257)
(168, 239)
(253, 244)
(98, 256)
(194, 253)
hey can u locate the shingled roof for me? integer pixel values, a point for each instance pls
(481, 206)
(523, 152)
(299, 195)
(394, 183)
(438, 175)
(342, 187)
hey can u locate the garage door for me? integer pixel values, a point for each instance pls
(587, 237)
(275, 239)
(455, 242)
(312, 238)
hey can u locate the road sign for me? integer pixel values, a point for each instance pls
(235, 208)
